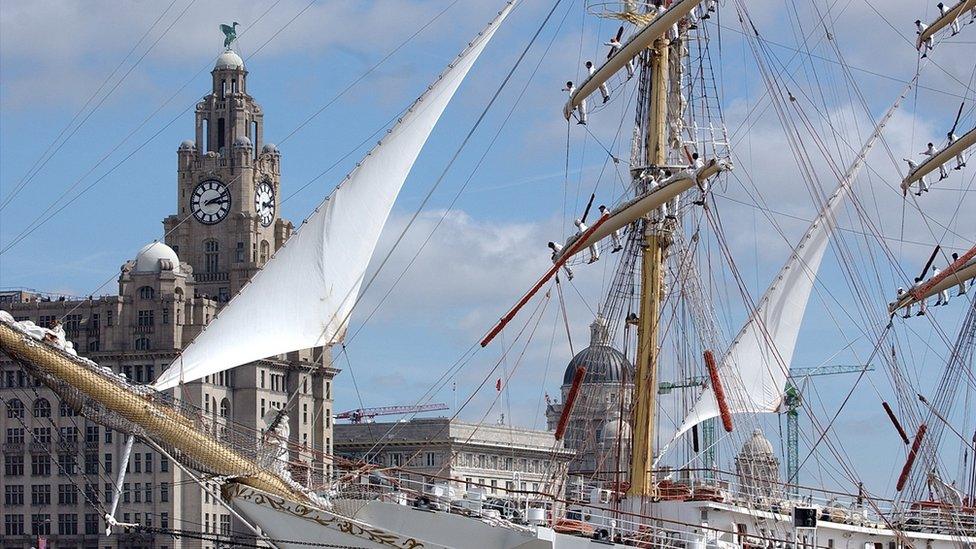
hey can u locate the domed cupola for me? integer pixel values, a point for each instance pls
(604, 364)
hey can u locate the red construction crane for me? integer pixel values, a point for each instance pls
(360, 414)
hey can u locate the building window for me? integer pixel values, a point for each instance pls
(15, 435)
(91, 524)
(91, 464)
(225, 408)
(146, 318)
(67, 524)
(164, 492)
(239, 257)
(165, 315)
(225, 525)
(67, 465)
(265, 251)
(40, 465)
(164, 520)
(146, 292)
(108, 436)
(13, 525)
(41, 524)
(67, 494)
(13, 495)
(15, 409)
(109, 318)
(41, 494)
(138, 464)
(108, 463)
(142, 344)
(149, 462)
(67, 410)
(430, 459)
(211, 252)
(163, 464)
(42, 408)
(42, 435)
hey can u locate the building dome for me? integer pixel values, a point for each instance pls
(757, 446)
(229, 60)
(188, 144)
(614, 429)
(604, 364)
(269, 148)
(149, 258)
(243, 142)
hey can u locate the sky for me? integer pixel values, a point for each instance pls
(96, 96)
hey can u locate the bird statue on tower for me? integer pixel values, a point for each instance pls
(230, 33)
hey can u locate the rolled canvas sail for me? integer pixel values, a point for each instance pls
(303, 296)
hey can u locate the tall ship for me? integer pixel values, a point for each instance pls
(663, 416)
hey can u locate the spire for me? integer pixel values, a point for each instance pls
(599, 334)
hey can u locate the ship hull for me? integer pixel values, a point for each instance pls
(697, 525)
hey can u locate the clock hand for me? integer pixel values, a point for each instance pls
(218, 200)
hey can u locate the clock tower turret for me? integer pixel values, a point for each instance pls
(227, 223)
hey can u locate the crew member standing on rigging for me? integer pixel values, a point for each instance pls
(960, 159)
(930, 152)
(962, 283)
(944, 294)
(581, 108)
(927, 45)
(603, 85)
(615, 46)
(594, 252)
(923, 184)
(921, 302)
(615, 235)
(908, 307)
(955, 22)
(712, 4)
(556, 248)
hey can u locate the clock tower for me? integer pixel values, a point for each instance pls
(227, 223)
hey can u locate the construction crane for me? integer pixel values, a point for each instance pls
(792, 403)
(367, 414)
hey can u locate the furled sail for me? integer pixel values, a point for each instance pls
(303, 296)
(756, 366)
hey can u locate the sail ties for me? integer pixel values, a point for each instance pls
(723, 405)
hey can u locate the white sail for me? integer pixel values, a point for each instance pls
(754, 371)
(303, 296)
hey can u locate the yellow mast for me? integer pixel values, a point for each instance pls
(657, 238)
(164, 424)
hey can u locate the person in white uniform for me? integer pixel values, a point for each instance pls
(907, 308)
(960, 159)
(943, 9)
(710, 9)
(921, 302)
(615, 46)
(943, 298)
(556, 248)
(923, 184)
(927, 45)
(581, 108)
(930, 152)
(603, 85)
(594, 252)
(615, 235)
(962, 283)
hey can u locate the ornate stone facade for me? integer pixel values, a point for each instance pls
(599, 427)
(59, 468)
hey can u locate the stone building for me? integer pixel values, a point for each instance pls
(496, 457)
(599, 426)
(59, 468)
(758, 469)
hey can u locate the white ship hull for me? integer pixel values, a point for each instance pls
(684, 524)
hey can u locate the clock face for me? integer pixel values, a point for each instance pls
(264, 202)
(210, 202)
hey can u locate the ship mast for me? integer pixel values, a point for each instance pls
(657, 236)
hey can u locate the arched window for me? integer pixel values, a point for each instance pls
(42, 408)
(67, 410)
(15, 409)
(211, 252)
(146, 292)
(225, 408)
(142, 344)
(265, 251)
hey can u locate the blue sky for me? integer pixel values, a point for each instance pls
(491, 245)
